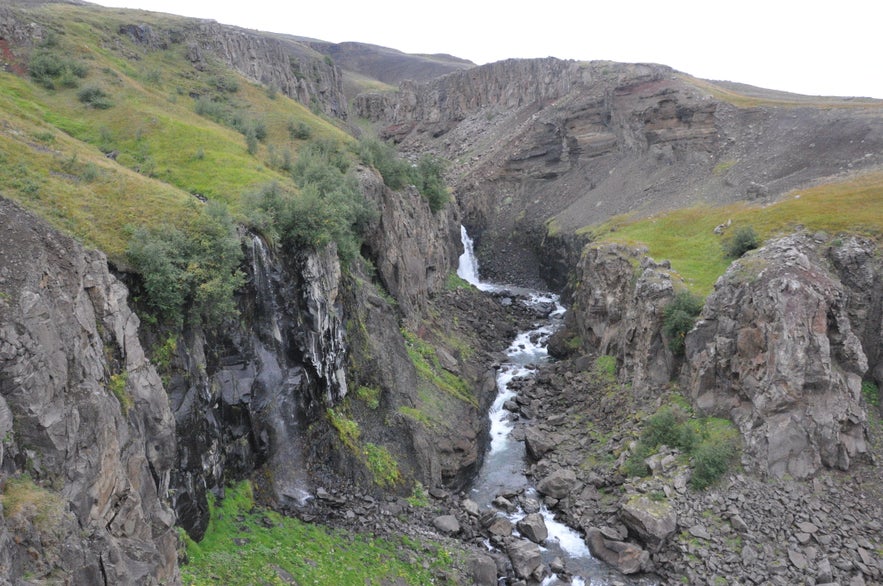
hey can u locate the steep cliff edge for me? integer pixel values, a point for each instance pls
(780, 347)
(88, 436)
(578, 143)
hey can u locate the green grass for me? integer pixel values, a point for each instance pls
(246, 544)
(426, 362)
(165, 150)
(686, 237)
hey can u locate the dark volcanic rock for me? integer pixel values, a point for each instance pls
(86, 419)
(774, 350)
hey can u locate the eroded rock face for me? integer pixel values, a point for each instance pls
(412, 248)
(85, 417)
(774, 351)
(618, 298)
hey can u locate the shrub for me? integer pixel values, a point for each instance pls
(678, 318)
(299, 130)
(48, 68)
(330, 206)
(743, 240)
(196, 270)
(426, 175)
(711, 459)
(95, 97)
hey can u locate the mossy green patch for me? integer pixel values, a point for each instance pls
(246, 544)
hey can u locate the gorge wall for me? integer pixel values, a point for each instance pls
(88, 438)
(544, 147)
(781, 346)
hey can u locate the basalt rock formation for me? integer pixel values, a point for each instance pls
(775, 351)
(580, 142)
(88, 438)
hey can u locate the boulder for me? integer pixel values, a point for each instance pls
(484, 570)
(538, 442)
(653, 522)
(447, 524)
(525, 557)
(625, 557)
(533, 526)
(558, 484)
(499, 525)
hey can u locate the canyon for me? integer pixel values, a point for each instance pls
(346, 387)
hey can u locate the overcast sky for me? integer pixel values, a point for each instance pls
(816, 48)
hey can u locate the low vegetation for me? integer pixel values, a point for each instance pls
(246, 544)
(426, 362)
(711, 444)
(379, 462)
(686, 236)
(194, 271)
(678, 317)
(426, 175)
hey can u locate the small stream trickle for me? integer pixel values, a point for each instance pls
(503, 469)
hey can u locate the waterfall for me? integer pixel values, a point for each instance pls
(503, 467)
(467, 269)
(266, 298)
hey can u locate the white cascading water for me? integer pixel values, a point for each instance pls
(503, 465)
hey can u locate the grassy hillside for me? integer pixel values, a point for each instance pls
(172, 131)
(687, 238)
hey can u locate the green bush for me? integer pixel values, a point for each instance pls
(330, 206)
(426, 175)
(195, 270)
(711, 459)
(95, 97)
(743, 240)
(678, 318)
(711, 443)
(48, 68)
(299, 130)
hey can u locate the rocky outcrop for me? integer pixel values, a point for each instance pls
(88, 436)
(774, 350)
(273, 60)
(625, 557)
(413, 249)
(618, 297)
(858, 264)
(247, 394)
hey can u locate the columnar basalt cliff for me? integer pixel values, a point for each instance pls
(579, 142)
(775, 350)
(88, 439)
(412, 248)
(617, 299)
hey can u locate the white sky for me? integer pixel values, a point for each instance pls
(807, 46)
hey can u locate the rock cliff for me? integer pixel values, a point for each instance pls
(577, 142)
(780, 348)
(617, 298)
(775, 351)
(88, 437)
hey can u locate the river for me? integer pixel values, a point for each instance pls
(504, 463)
